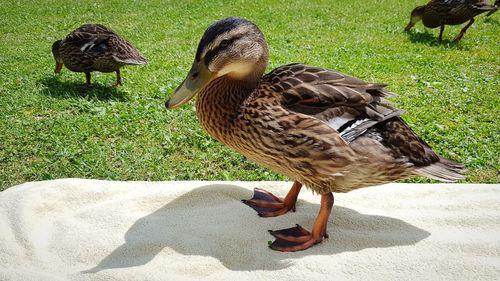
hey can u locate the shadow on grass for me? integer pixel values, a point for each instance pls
(223, 228)
(492, 21)
(430, 39)
(425, 37)
(54, 87)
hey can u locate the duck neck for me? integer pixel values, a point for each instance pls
(218, 105)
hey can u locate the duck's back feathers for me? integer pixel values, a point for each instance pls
(96, 47)
(453, 12)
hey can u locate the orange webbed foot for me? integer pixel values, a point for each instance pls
(267, 204)
(298, 238)
(295, 239)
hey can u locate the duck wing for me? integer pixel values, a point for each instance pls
(347, 104)
(469, 7)
(458, 11)
(89, 38)
(98, 41)
(334, 110)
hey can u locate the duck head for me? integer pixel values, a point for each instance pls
(232, 47)
(416, 16)
(57, 56)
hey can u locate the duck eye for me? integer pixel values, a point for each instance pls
(195, 75)
(224, 43)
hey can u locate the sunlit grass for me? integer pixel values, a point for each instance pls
(50, 128)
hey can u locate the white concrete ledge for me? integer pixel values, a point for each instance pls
(75, 229)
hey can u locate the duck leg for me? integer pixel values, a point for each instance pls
(268, 205)
(462, 32)
(87, 80)
(298, 238)
(440, 38)
(118, 79)
(59, 66)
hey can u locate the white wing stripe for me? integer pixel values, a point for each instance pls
(338, 121)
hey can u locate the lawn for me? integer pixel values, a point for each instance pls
(50, 128)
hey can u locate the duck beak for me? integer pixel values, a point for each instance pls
(197, 78)
(409, 26)
(58, 67)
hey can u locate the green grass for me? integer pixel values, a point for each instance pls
(50, 128)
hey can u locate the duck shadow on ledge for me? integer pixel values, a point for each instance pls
(211, 221)
(54, 87)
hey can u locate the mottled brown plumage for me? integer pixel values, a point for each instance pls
(94, 47)
(326, 130)
(438, 13)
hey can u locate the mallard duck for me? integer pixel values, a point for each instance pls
(449, 12)
(326, 130)
(94, 47)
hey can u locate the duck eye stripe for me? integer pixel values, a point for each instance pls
(211, 54)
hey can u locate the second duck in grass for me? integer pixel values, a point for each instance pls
(94, 47)
(324, 129)
(438, 13)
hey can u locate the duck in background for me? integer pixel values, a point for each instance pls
(438, 13)
(94, 47)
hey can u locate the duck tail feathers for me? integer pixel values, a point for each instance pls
(138, 60)
(445, 170)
